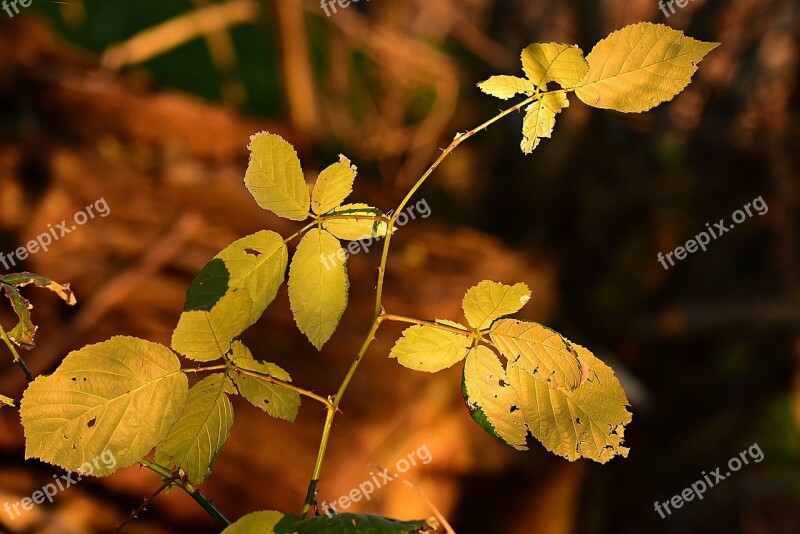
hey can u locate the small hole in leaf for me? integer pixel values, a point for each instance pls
(513, 409)
(74, 378)
(252, 252)
(91, 422)
(266, 401)
(502, 383)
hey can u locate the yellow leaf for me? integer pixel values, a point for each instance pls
(539, 351)
(489, 300)
(275, 179)
(540, 119)
(640, 66)
(547, 62)
(588, 422)
(355, 227)
(488, 393)
(333, 185)
(430, 349)
(277, 401)
(318, 285)
(504, 87)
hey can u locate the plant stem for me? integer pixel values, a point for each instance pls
(14, 353)
(379, 316)
(433, 324)
(193, 492)
(8, 401)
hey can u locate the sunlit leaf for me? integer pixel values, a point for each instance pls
(489, 301)
(547, 62)
(275, 179)
(354, 222)
(492, 402)
(277, 401)
(196, 439)
(588, 422)
(318, 285)
(22, 334)
(505, 87)
(431, 349)
(119, 397)
(640, 66)
(206, 335)
(334, 184)
(255, 523)
(350, 524)
(540, 119)
(538, 350)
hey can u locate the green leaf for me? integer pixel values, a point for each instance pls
(318, 285)
(640, 66)
(257, 264)
(255, 523)
(539, 351)
(277, 401)
(119, 397)
(588, 422)
(350, 524)
(505, 87)
(333, 185)
(547, 62)
(355, 228)
(489, 301)
(430, 349)
(20, 280)
(493, 404)
(195, 441)
(275, 179)
(540, 119)
(207, 335)
(210, 284)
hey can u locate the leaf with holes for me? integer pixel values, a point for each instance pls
(430, 349)
(540, 119)
(492, 402)
(318, 285)
(488, 301)
(117, 398)
(587, 422)
(539, 351)
(195, 441)
(275, 179)
(203, 335)
(640, 66)
(277, 401)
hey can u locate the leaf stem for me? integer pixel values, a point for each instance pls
(422, 322)
(379, 315)
(14, 353)
(287, 385)
(8, 401)
(193, 492)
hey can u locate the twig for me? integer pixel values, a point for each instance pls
(167, 483)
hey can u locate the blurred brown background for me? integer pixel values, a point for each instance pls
(150, 104)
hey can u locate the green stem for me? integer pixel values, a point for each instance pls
(379, 316)
(14, 353)
(193, 492)
(8, 401)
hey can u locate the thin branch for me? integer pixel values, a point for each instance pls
(14, 353)
(167, 483)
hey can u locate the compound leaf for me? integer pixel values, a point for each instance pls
(207, 335)
(355, 226)
(119, 397)
(318, 285)
(195, 441)
(540, 119)
(640, 66)
(505, 87)
(334, 184)
(492, 402)
(547, 62)
(275, 179)
(587, 422)
(430, 349)
(277, 401)
(489, 301)
(538, 351)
